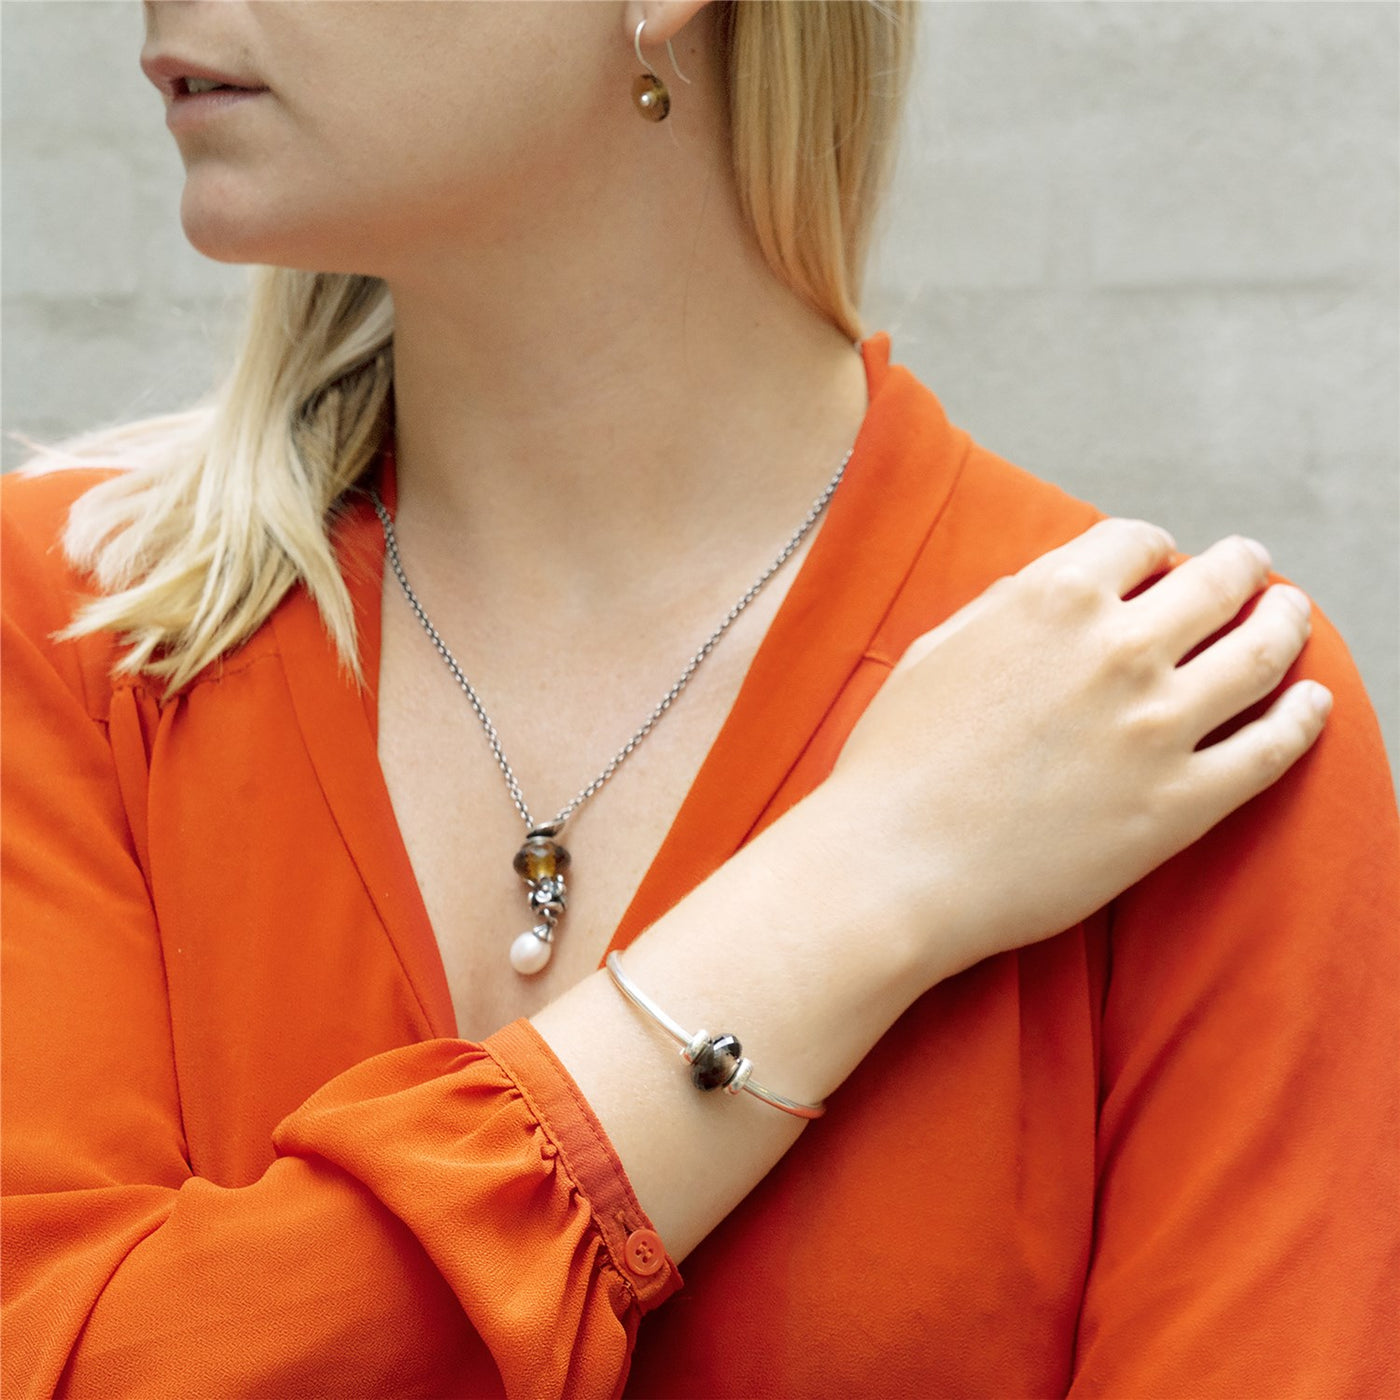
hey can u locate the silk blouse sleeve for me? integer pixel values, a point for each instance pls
(1247, 1233)
(445, 1218)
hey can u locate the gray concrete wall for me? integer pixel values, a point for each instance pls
(1147, 250)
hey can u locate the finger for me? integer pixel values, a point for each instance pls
(1248, 662)
(1117, 554)
(1258, 754)
(1114, 554)
(1202, 595)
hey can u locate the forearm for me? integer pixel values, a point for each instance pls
(808, 982)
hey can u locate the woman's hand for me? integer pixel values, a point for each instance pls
(1025, 762)
(1038, 752)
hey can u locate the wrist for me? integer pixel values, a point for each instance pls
(787, 946)
(861, 897)
(893, 880)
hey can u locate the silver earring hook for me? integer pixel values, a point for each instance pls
(637, 44)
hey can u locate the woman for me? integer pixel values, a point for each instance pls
(296, 1107)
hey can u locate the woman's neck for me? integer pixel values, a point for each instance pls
(606, 423)
(630, 387)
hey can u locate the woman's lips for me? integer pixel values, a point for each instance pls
(172, 75)
(185, 109)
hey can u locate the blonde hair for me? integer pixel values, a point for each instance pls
(228, 505)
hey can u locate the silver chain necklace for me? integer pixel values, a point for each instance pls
(541, 861)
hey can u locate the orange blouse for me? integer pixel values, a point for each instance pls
(245, 1154)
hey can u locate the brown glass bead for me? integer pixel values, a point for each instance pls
(714, 1065)
(650, 97)
(540, 858)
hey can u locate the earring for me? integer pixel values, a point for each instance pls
(649, 93)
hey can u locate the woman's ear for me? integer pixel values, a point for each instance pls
(664, 18)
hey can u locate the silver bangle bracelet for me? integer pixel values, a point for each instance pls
(716, 1061)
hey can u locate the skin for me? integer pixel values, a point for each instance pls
(609, 415)
(561, 352)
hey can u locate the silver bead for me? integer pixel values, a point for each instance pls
(549, 898)
(740, 1077)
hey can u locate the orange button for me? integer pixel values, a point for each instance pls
(644, 1252)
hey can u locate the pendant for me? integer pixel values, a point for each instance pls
(540, 863)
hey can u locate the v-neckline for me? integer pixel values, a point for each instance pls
(789, 687)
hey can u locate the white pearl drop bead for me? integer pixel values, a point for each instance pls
(529, 954)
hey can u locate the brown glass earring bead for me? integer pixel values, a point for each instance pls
(650, 97)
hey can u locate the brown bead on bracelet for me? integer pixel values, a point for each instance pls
(716, 1061)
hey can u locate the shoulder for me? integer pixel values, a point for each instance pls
(962, 515)
(33, 514)
(40, 590)
(981, 517)
(35, 505)
(986, 513)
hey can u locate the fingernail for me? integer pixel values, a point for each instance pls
(1318, 698)
(1259, 552)
(1295, 598)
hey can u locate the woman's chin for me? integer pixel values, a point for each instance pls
(225, 232)
(233, 227)
(222, 228)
